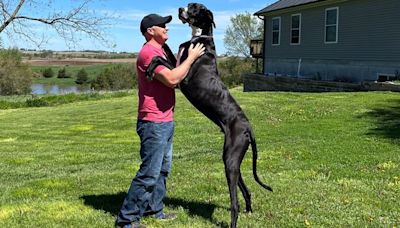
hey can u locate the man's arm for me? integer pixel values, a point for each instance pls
(155, 62)
(172, 78)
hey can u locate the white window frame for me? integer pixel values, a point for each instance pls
(337, 25)
(279, 31)
(291, 28)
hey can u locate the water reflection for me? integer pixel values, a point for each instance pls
(39, 89)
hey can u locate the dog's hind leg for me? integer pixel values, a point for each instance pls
(232, 173)
(246, 194)
(235, 147)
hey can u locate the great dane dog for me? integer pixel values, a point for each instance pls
(205, 90)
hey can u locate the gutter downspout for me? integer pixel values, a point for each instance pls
(263, 46)
(298, 68)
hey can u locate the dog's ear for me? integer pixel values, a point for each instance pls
(211, 17)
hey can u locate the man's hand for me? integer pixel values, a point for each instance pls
(196, 51)
(172, 78)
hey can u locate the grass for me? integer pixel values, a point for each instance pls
(333, 160)
(12, 102)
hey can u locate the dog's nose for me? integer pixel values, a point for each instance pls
(181, 10)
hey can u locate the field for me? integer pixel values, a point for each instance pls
(76, 61)
(333, 160)
(92, 66)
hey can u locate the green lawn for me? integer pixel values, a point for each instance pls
(333, 160)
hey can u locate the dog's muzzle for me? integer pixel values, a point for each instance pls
(183, 15)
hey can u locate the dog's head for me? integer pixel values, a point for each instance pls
(198, 17)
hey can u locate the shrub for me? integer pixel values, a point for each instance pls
(62, 73)
(232, 68)
(48, 72)
(37, 102)
(15, 76)
(116, 77)
(46, 54)
(101, 82)
(82, 77)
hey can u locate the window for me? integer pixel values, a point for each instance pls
(295, 31)
(331, 25)
(276, 30)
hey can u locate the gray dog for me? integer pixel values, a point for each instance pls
(205, 90)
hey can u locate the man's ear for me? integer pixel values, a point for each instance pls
(147, 36)
(211, 17)
(150, 31)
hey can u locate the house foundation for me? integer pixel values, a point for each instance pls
(260, 82)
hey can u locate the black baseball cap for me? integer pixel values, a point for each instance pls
(153, 19)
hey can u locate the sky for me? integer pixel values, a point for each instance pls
(124, 31)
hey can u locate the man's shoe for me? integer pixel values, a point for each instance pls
(165, 216)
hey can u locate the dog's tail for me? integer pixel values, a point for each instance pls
(254, 149)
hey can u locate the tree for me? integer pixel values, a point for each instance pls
(243, 28)
(15, 76)
(82, 77)
(17, 18)
(48, 72)
(62, 73)
(116, 77)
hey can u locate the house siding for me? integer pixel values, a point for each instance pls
(368, 42)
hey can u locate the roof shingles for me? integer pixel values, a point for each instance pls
(282, 4)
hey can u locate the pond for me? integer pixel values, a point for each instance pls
(40, 89)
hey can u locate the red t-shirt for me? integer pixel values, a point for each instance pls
(156, 100)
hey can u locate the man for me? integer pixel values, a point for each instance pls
(155, 124)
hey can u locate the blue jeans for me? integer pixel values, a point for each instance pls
(148, 187)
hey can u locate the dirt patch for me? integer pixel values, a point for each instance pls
(76, 61)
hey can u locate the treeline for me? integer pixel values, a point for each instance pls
(231, 70)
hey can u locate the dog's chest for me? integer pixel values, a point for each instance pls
(179, 57)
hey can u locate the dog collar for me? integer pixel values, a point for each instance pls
(202, 36)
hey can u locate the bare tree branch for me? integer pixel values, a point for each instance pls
(11, 18)
(70, 26)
